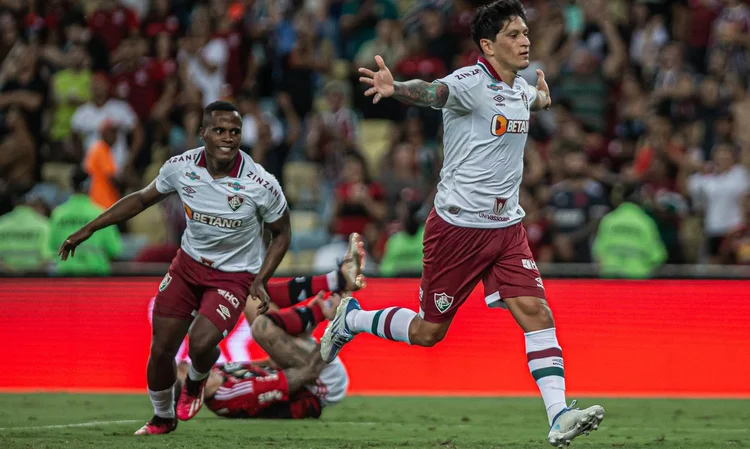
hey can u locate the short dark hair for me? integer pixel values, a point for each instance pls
(78, 180)
(223, 106)
(488, 20)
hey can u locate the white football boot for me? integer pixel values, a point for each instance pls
(572, 422)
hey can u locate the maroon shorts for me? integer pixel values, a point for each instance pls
(190, 288)
(457, 258)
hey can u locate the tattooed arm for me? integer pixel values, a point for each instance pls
(285, 350)
(421, 93)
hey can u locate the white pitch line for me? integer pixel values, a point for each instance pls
(65, 426)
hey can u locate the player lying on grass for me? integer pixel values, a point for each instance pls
(293, 383)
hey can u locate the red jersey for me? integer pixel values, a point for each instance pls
(249, 391)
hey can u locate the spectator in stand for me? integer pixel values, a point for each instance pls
(17, 159)
(719, 191)
(403, 250)
(100, 164)
(204, 57)
(358, 201)
(359, 19)
(575, 207)
(88, 118)
(113, 22)
(736, 247)
(93, 257)
(24, 233)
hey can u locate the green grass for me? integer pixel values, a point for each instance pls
(366, 422)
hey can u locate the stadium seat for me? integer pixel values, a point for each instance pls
(151, 223)
(374, 139)
(301, 182)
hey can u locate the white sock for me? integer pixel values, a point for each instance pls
(195, 375)
(546, 365)
(163, 402)
(333, 281)
(391, 323)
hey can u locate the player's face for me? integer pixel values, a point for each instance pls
(511, 45)
(222, 135)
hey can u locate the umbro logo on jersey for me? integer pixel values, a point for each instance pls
(189, 191)
(501, 125)
(192, 176)
(499, 99)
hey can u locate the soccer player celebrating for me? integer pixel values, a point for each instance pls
(228, 199)
(474, 232)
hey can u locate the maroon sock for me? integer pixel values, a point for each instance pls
(297, 320)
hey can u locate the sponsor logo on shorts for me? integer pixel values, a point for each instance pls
(421, 294)
(443, 302)
(189, 191)
(235, 201)
(270, 396)
(529, 264)
(539, 282)
(165, 282)
(223, 312)
(211, 220)
(192, 176)
(230, 297)
(501, 125)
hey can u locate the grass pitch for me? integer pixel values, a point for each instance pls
(52, 421)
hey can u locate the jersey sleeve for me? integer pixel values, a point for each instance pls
(532, 93)
(165, 182)
(462, 96)
(273, 203)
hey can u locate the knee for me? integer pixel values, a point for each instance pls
(200, 345)
(161, 351)
(536, 310)
(427, 337)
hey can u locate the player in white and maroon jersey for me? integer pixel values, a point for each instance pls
(474, 232)
(228, 200)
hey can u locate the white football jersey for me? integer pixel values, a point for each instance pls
(224, 216)
(485, 123)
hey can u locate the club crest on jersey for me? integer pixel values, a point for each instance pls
(235, 202)
(501, 125)
(499, 205)
(443, 302)
(236, 186)
(192, 176)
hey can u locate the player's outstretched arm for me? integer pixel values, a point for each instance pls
(281, 234)
(125, 209)
(543, 98)
(415, 92)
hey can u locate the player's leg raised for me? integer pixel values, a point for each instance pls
(454, 261)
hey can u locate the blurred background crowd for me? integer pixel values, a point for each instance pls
(642, 160)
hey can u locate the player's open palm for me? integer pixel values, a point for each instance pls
(69, 245)
(381, 82)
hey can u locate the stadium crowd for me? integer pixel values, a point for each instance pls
(641, 161)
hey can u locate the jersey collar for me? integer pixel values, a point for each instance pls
(236, 169)
(485, 64)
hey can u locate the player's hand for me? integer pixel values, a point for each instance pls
(70, 244)
(258, 293)
(381, 81)
(541, 85)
